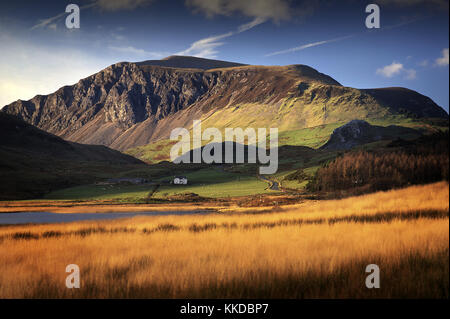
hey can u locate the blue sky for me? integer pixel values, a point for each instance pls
(39, 54)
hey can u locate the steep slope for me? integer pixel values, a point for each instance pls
(33, 162)
(407, 102)
(132, 104)
(20, 136)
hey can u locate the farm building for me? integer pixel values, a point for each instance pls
(180, 180)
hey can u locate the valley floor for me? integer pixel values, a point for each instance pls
(307, 250)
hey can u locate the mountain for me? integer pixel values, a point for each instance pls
(359, 132)
(33, 162)
(133, 104)
(187, 62)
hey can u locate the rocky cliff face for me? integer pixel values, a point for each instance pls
(132, 104)
(123, 93)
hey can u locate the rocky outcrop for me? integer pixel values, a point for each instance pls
(359, 132)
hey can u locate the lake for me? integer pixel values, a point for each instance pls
(47, 217)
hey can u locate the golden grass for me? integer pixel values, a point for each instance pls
(309, 250)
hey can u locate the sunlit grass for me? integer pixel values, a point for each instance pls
(308, 250)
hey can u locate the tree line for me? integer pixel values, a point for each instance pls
(401, 163)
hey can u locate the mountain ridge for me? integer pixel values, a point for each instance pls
(131, 104)
(185, 62)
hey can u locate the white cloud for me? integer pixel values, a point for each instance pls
(443, 60)
(268, 9)
(396, 68)
(207, 47)
(308, 45)
(390, 70)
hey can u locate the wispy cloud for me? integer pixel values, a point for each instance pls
(207, 47)
(423, 63)
(105, 5)
(443, 60)
(49, 22)
(45, 22)
(308, 45)
(117, 37)
(314, 44)
(411, 74)
(396, 68)
(251, 24)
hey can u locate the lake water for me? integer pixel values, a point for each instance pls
(46, 217)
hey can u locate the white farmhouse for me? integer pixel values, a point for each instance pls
(180, 180)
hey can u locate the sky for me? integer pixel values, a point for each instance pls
(39, 54)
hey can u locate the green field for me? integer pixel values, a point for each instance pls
(240, 186)
(208, 182)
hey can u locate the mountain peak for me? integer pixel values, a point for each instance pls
(190, 62)
(176, 57)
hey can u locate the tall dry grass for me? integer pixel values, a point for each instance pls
(310, 250)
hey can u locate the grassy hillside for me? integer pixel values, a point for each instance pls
(313, 137)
